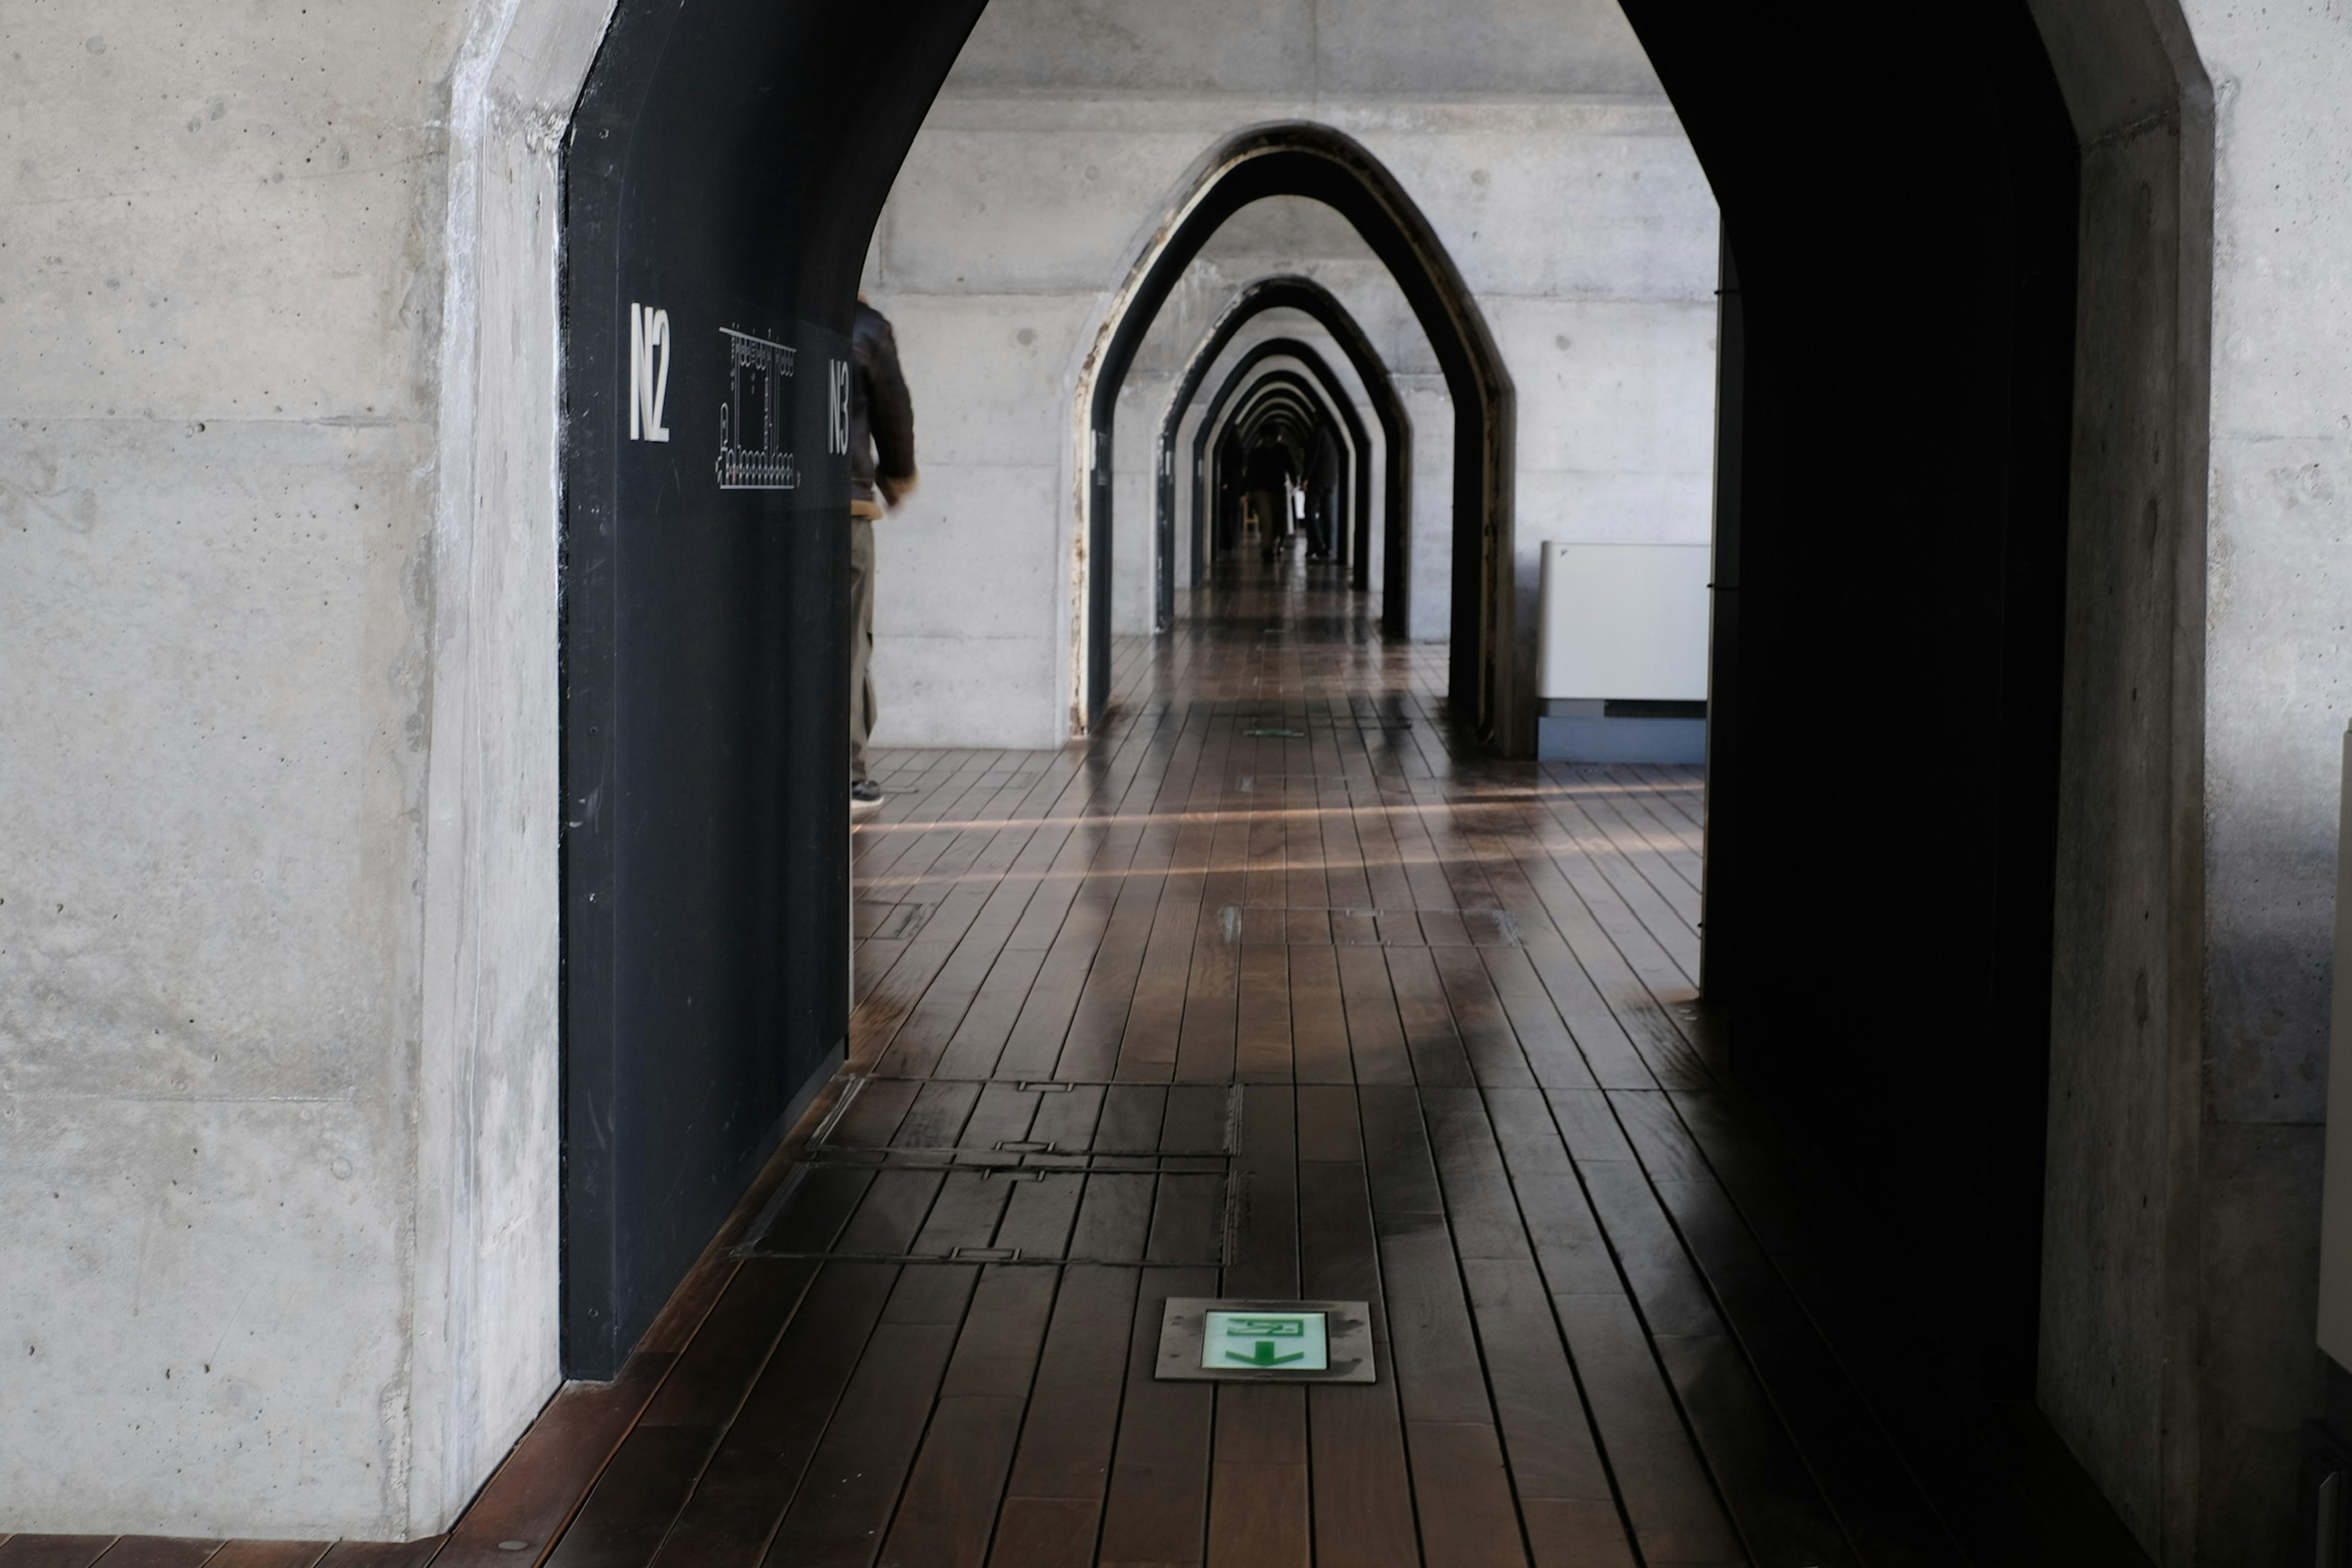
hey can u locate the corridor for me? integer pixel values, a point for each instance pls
(1270, 992)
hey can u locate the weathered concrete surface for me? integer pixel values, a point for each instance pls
(1537, 143)
(277, 1249)
(2205, 701)
(2277, 694)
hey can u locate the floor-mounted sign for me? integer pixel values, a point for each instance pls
(1202, 1338)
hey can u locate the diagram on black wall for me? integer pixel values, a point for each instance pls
(752, 450)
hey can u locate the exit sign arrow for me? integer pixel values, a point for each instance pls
(1261, 1353)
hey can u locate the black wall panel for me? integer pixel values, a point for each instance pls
(724, 169)
(1899, 185)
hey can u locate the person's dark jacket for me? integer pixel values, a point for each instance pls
(881, 415)
(1323, 468)
(1267, 467)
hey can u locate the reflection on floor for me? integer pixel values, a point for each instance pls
(1275, 990)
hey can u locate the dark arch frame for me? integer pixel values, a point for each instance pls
(1280, 395)
(704, 639)
(1289, 291)
(1205, 433)
(1484, 676)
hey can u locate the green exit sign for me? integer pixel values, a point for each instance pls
(1238, 1341)
(1293, 1341)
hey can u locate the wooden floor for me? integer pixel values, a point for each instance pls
(1275, 990)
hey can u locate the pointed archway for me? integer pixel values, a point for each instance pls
(1484, 679)
(1204, 437)
(1290, 292)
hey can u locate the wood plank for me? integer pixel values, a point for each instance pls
(1463, 1495)
(1258, 1494)
(1665, 1485)
(629, 1511)
(1569, 1246)
(378, 1554)
(1538, 1405)
(1266, 1257)
(854, 1478)
(892, 1211)
(1544, 1038)
(1261, 1047)
(1362, 1490)
(1039, 1214)
(1319, 1020)
(1114, 1218)
(1376, 1039)
(756, 1470)
(1874, 1497)
(532, 1496)
(54, 1550)
(1432, 1032)
(1065, 1443)
(1480, 1206)
(306, 1553)
(949, 1511)
(1156, 1510)
(718, 1365)
(1188, 1218)
(1045, 1532)
(1130, 1121)
(169, 1551)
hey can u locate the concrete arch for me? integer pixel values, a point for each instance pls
(1299, 158)
(1204, 437)
(2142, 114)
(1319, 303)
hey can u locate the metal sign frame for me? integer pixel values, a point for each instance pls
(1347, 1326)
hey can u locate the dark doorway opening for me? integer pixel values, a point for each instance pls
(1890, 578)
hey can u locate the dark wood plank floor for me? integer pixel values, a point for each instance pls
(1272, 989)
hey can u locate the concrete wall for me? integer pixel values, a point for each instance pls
(277, 956)
(1537, 143)
(2207, 697)
(2277, 693)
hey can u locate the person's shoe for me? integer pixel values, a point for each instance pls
(865, 798)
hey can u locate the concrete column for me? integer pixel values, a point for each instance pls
(277, 961)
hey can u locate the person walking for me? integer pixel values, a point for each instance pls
(1266, 477)
(881, 474)
(1323, 497)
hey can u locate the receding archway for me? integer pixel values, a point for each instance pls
(1484, 679)
(1288, 406)
(1319, 303)
(1212, 421)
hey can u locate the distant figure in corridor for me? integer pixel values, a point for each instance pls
(1323, 497)
(1267, 479)
(881, 474)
